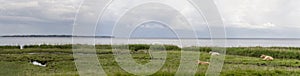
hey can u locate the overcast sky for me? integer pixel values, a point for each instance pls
(242, 18)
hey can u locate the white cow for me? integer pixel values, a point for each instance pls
(202, 62)
(267, 58)
(214, 53)
(38, 64)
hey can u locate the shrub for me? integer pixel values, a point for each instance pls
(276, 52)
(9, 47)
(49, 46)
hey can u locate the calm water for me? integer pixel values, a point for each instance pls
(182, 43)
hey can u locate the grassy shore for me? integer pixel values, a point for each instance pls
(239, 61)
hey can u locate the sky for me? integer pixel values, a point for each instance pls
(242, 18)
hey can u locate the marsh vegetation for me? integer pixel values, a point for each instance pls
(239, 61)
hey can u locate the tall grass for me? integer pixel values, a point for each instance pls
(63, 65)
(9, 47)
(256, 52)
(276, 52)
(237, 61)
(69, 46)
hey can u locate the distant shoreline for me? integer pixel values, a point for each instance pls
(70, 36)
(56, 36)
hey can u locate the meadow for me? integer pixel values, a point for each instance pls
(239, 61)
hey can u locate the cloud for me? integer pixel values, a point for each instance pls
(243, 18)
(174, 14)
(36, 16)
(256, 13)
(261, 18)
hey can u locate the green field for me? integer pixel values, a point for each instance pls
(239, 61)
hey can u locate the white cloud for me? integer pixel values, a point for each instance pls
(258, 13)
(270, 16)
(36, 16)
(173, 13)
(254, 26)
(152, 26)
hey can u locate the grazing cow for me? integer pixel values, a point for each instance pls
(203, 62)
(267, 58)
(42, 64)
(214, 53)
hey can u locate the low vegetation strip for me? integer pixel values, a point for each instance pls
(277, 52)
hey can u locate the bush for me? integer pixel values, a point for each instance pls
(256, 52)
(49, 46)
(278, 52)
(136, 47)
(9, 47)
(103, 47)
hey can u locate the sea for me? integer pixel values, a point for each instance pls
(229, 42)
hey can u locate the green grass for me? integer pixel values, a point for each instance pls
(240, 61)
